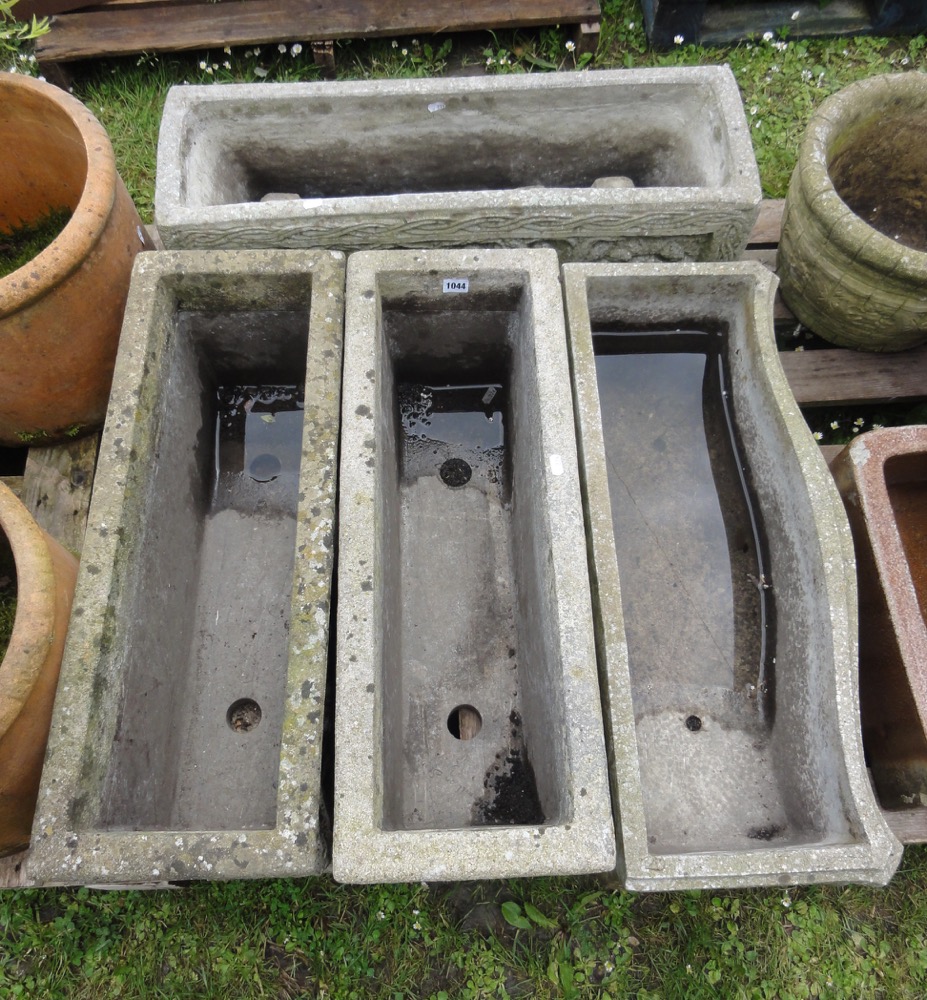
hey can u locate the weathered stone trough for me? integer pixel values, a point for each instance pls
(882, 476)
(187, 735)
(468, 724)
(724, 589)
(617, 165)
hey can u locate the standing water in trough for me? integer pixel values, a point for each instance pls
(466, 762)
(698, 605)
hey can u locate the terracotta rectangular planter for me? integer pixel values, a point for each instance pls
(723, 586)
(882, 477)
(187, 736)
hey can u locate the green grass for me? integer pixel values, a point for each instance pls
(781, 80)
(575, 938)
(20, 244)
(543, 937)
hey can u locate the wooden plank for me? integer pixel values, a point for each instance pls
(323, 55)
(27, 9)
(838, 377)
(586, 37)
(908, 825)
(13, 873)
(57, 485)
(244, 22)
(768, 225)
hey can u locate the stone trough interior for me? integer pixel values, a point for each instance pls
(197, 743)
(187, 737)
(906, 483)
(307, 144)
(724, 608)
(468, 725)
(472, 700)
(699, 615)
(879, 168)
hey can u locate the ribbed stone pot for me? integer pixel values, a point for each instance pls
(45, 573)
(853, 254)
(60, 314)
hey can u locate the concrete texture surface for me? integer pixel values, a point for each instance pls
(853, 254)
(468, 721)
(882, 477)
(724, 589)
(187, 736)
(503, 161)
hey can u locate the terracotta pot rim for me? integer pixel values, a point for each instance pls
(88, 220)
(35, 584)
(847, 230)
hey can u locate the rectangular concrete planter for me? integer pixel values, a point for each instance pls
(468, 724)
(882, 477)
(187, 736)
(505, 161)
(724, 589)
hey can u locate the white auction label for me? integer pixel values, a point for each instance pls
(456, 285)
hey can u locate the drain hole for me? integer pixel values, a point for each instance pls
(243, 715)
(693, 723)
(464, 722)
(264, 468)
(456, 472)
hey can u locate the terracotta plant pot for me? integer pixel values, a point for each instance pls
(853, 254)
(61, 313)
(45, 577)
(882, 477)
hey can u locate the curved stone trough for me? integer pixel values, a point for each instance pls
(725, 600)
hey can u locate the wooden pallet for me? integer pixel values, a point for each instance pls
(57, 481)
(82, 30)
(720, 22)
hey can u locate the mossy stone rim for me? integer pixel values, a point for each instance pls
(834, 121)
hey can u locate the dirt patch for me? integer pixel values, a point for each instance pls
(511, 793)
(881, 173)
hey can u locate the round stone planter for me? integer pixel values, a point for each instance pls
(853, 254)
(61, 313)
(45, 577)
